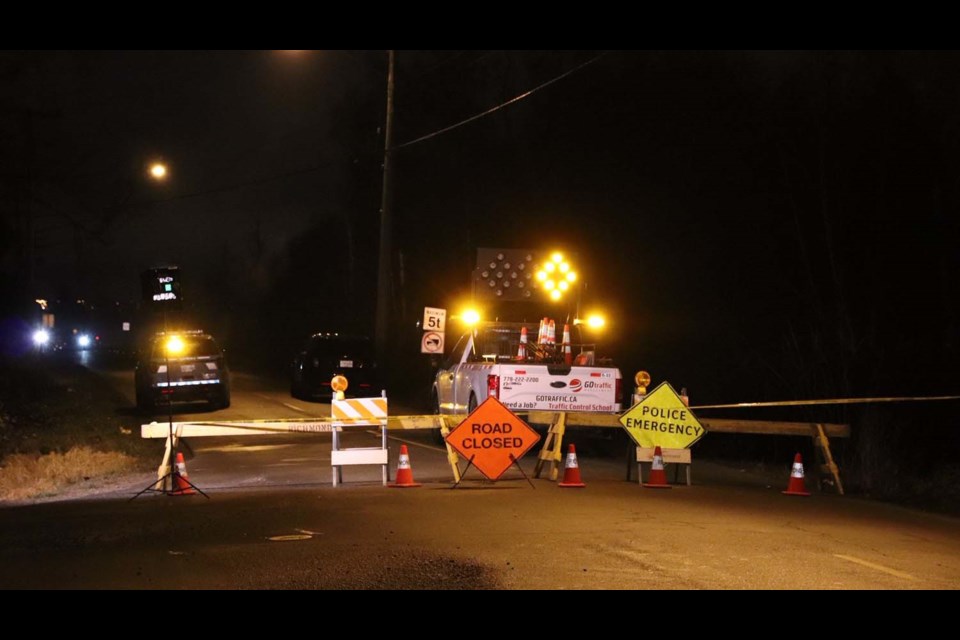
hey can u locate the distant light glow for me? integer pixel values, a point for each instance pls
(158, 170)
(41, 302)
(83, 340)
(40, 337)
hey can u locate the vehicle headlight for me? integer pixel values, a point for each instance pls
(41, 337)
(83, 341)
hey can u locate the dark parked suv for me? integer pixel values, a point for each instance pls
(182, 366)
(325, 355)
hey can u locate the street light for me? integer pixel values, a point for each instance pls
(158, 171)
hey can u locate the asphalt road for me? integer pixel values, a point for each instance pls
(274, 521)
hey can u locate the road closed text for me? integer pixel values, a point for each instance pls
(661, 420)
(492, 435)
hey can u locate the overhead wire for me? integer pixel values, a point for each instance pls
(513, 100)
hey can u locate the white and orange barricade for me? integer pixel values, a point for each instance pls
(359, 412)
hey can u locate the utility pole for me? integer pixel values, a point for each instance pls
(386, 236)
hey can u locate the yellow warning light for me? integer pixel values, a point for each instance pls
(339, 383)
(174, 345)
(596, 321)
(556, 275)
(642, 379)
(470, 316)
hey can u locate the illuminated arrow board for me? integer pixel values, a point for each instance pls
(490, 436)
(662, 419)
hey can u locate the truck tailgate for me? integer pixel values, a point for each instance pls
(579, 389)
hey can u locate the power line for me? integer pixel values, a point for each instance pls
(500, 106)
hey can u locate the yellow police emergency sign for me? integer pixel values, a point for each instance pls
(662, 419)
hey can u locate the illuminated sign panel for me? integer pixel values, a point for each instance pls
(161, 286)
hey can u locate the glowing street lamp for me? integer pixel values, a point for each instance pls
(158, 171)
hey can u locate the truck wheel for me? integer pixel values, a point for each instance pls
(472, 404)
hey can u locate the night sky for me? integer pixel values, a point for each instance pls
(759, 225)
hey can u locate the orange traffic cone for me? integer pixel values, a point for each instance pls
(571, 470)
(567, 351)
(551, 332)
(542, 334)
(522, 351)
(180, 485)
(404, 472)
(658, 477)
(796, 486)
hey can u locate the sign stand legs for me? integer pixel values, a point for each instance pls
(517, 462)
(457, 483)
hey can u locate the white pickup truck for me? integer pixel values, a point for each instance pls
(485, 363)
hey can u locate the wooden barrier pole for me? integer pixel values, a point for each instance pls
(552, 450)
(822, 444)
(452, 456)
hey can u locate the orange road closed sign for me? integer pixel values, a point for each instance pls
(490, 436)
